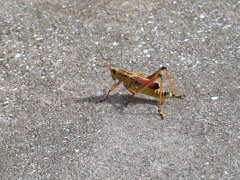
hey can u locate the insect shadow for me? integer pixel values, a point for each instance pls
(118, 101)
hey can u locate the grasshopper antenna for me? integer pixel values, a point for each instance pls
(108, 65)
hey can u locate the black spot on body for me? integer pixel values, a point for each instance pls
(166, 93)
(124, 75)
(137, 83)
(156, 86)
(126, 72)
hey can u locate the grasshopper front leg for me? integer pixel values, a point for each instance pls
(112, 88)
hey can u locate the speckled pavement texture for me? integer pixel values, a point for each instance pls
(52, 125)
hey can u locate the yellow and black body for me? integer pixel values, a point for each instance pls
(136, 83)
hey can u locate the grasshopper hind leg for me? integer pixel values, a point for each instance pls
(160, 97)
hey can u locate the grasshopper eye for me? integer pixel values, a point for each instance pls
(113, 71)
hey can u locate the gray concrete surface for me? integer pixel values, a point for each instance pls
(52, 125)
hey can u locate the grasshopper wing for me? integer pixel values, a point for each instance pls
(145, 80)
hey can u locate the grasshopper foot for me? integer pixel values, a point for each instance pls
(126, 103)
(102, 99)
(179, 96)
(161, 114)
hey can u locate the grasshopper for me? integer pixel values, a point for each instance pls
(136, 83)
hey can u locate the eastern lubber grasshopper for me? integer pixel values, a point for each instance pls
(136, 83)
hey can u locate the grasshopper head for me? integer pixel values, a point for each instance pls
(114, 72)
